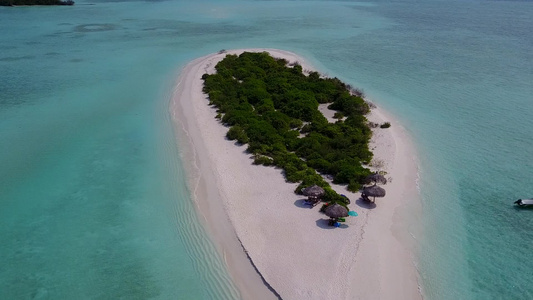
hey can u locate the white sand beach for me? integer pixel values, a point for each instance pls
(290, 245)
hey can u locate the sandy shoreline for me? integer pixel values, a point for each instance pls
(290, 245)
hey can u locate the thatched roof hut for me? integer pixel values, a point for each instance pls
(336, 211)
(376, 178)
(374, 191)
(313, 191)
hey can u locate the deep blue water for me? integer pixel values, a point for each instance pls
(92, 193)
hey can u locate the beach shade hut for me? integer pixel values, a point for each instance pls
(376, 178)
(335, 211)
(313, 191)
(374, 191)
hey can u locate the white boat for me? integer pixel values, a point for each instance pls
(524, 202)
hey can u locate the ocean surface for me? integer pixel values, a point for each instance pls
(93, 199)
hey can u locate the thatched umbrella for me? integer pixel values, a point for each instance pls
(374, 191)
(336, 211)
(313, 191)
(376, 178)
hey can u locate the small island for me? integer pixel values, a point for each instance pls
(273, 107)
(278, 107)
(34, 2)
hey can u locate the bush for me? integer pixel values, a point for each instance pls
(306, 128)
(354, 186)
(385, 125)
(345, 201)
(332, 196)
(295, 123)
(258, 148)
(237, 133)
(263, 160)
(292, 174)
(338, 115)
(320, 164)
(358, 92)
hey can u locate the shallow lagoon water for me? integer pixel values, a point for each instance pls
(93, 195)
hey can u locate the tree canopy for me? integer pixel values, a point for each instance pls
(273, 107)
(35, 2)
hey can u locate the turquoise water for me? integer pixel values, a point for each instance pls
(92, 193)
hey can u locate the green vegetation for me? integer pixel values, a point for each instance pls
(35, 2)
(385, 125)
(273, 108)
(338, 116)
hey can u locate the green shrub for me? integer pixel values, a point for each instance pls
(306, 128)
(354, 186)
(258, 148)
(332, 196)
(385, 125)
(263, 160)
(295, 123)
(237, 133)
(292, 174)
(344, 200)
(338, 115)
